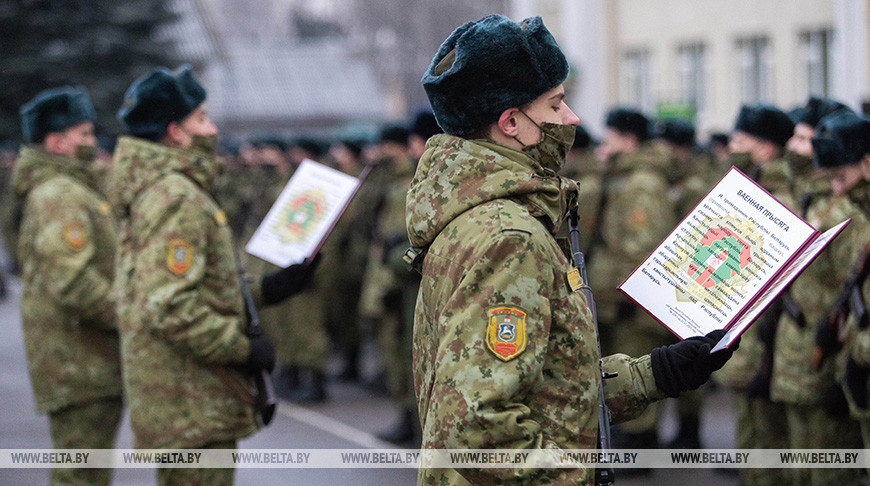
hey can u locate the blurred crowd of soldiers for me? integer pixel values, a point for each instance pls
(636, 183)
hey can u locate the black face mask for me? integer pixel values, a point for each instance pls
(552, 150)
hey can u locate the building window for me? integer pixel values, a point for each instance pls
(755, 70)
(691, 82)
(636, 80)
(815, 57)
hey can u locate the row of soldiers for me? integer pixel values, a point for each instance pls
(815, 160)
(634, 186)
(132, 295)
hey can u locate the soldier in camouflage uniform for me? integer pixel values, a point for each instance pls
(386, 283)
(636, 215)
(691, 174)
(344, 270)
(815, 407)
(757, 146)
(505, 353)
(846, 137)
(67, 247)
(180, 306)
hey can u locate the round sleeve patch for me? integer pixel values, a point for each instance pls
(179, 256)
(75, 235)
(506, 332)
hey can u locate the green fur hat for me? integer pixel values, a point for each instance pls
(159, 98)
(844, 139)
(765, 122)
(55, 110)
(488, 66)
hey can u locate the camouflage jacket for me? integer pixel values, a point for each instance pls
(637, 217)
(181, 312)
(67, 248)
(794, 378)
(505, 354)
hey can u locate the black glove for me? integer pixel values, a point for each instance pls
(856, 382)
(277, 286)
(687, 365)
(834, 401)
(261, 356)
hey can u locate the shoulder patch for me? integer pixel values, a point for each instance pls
(75, 235)
(179, 256)
(506, 332)
(104, 208)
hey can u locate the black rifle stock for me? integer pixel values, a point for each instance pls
(830, 326)
(603, 473)
(265, 401)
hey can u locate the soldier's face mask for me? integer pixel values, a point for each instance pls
(86, 153)
(552, 150)
(204, 143)
(798, 162)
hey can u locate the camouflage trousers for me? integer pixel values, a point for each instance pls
(89, 425)
(760, 425)
(810, 427)
(200, 476)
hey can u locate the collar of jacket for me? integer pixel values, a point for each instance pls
(860, 195)
(139, 163)
(34, 166)
(455, 175)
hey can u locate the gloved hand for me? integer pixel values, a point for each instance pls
(834, 401)
(261, 355)
(856, 382)
(277, 286)
(687, 365)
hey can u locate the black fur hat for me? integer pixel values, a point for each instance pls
(159, 98)
(488, 66)
(818, 108)
(55, 110)
(629, 120)
(843, 139)
(766, 122)
(677, 132)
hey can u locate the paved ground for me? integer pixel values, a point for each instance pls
(349, 420)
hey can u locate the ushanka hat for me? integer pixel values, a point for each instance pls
(817, 109)
(488, 66)
(629, 120)
(159, 98)
(677, 132)
(55, 110)
(765, 122)
(843, 139)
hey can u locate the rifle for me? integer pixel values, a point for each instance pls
(265, 402)
(603, 473)
(829, 330)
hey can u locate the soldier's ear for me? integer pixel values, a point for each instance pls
(865, 166)
(174, 134)
(508, 122)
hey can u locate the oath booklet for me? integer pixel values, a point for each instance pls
(726, 261)
(305, 212)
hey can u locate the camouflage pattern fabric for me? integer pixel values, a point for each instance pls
(181, 313)
(795, 379)
(505, 354)
(201, 476)
(67, 248)
(811, 427)
(88, 425)
(386, 281)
